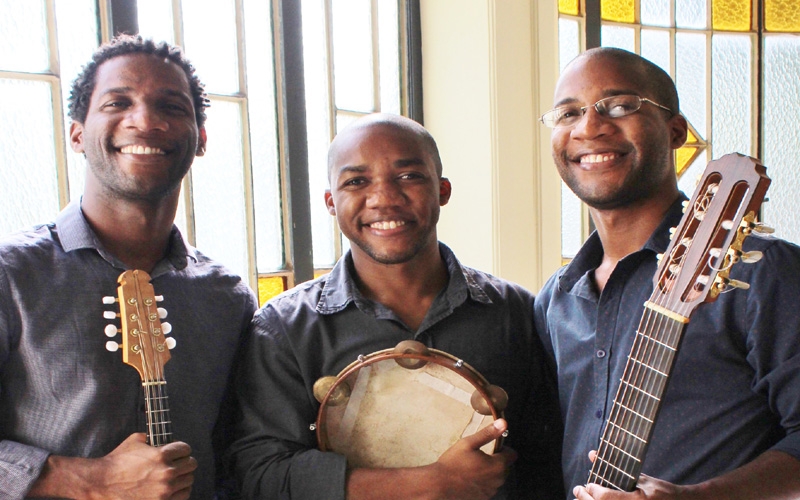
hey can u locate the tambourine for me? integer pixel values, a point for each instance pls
(404, 407)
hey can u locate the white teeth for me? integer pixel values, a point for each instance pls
(142, 150)
(387, 224)
(597, 158)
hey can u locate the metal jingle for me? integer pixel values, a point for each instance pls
(411, 347)
(498, 399)
(340, 394)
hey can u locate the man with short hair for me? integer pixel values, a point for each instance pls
(397, 282)
(72, 413)
(729, 421)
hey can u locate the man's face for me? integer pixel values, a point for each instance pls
(140, 135)
(613, 162)
(385, 193)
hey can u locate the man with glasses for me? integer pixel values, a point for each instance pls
(729, 424)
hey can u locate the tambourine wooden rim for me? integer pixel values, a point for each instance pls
(493, 397)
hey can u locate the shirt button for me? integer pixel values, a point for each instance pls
(598, 414)
(601, 353)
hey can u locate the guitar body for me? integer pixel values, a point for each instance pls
(693, 270)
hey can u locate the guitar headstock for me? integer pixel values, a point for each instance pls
(708, 241)
(144, 343)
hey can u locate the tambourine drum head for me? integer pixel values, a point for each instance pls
(400, 417)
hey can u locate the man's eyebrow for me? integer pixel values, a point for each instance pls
(406, 162)
(115, 90)
(353, 169)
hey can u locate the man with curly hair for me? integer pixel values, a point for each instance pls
(71, 413)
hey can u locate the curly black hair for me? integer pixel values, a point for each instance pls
(83, 86)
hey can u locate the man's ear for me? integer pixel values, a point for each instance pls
(445, 190)
(202, 137)
(678, 131)
(76, 136)
(329, 202)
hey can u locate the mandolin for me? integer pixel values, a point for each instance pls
(144, 346)
(693, 270)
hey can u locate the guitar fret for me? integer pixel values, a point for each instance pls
(639, 389)
(626, 431)
(649, 367)
(653, 339)
(605, 482)
(632, 411)
(613, 467)
(609, 443)
(153, 383)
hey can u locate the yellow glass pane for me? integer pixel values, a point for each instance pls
(621, 11)
(731, 15)
(691, 149)
(572, 7)
(782, 15)
(270, 286)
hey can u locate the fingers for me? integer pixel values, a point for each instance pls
(486, 435)
(175, 451)
(592, 455)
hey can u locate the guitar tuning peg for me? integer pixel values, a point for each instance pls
(112, 346)
(162, 313)
(659, 256)
(738, 284)
(159, 298)
(763, 229)
(111, 330)
(171, 342)
(672, 231)
(685, 205)
(751, 257)
(110, 315)
(166, 328)
(727, 225)
(108, 300)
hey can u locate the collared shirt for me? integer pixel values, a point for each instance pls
(322, 326)
(735, 386)
(63, 393)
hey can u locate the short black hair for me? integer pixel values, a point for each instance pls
(83, 86)
(657, 82)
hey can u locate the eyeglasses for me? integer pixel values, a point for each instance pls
(615, 106)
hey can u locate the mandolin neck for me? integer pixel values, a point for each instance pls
(159, 424)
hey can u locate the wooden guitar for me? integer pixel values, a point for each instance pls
(693, 270)
(144, 347)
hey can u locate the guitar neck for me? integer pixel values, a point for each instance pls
(159, 423)
(627, 432)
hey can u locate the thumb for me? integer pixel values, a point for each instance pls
(487, 434)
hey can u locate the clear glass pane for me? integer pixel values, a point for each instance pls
(618, 10)
(782, 15)
(389, 46)
(571, 237)
(690, 78)
(23, 36)
(655, 47)
(318, 128)
(352, 55)
(78, 33)
(29, 189)
(691, 14)
(215, 57)
(782, 134)
(731, 94)
(263, 136)
(618, 36)
(731, 15)
(568, 42)
(655, 12)
(218, 189)
(155, 20)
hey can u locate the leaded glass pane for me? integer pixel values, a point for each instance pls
(655, 12)
(270, 286)
(78, 34)
(691, 14)
(690, 77)
(688, 182)
(28, 191)
(571, 225)
(655, 47)
(389, 56)
(317, 128)
(618, 36)
(218, 189)
(571, 7)
(352, 55)
(782, 15)
(156, 20)
(263, 137)
(731, 94)
(569, 43)
(781, 128)
(215, 57)
(731, 15)
(621, 11)
(23, 36)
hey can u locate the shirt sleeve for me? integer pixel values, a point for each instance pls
(276, 455)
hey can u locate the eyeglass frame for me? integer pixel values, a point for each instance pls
(604, 113)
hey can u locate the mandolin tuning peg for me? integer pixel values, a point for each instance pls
(763, 229)
(110, 315)
(162, 313)
(110, 300)
(110, 330)
(166, 328)
(171, 342)
(159, 298)
(112, 346)
(751, 257)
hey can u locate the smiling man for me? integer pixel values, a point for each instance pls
(71, 413)
(729, 423)
(398, 282)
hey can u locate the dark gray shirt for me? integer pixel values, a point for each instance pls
(735, 387)
(63, 393)
(319, 327)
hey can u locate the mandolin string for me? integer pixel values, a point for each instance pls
(146, 371)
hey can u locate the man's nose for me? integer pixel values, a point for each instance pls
(590, 125)
(385, 192)
(146, 118)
